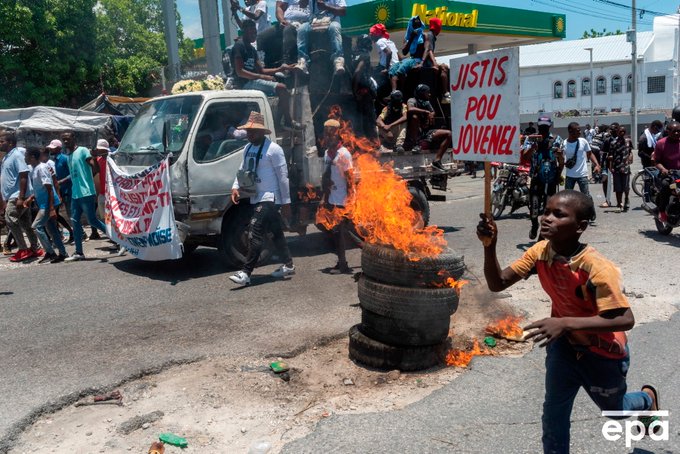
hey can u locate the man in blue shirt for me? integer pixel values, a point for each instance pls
(15, 189)
(83, 194)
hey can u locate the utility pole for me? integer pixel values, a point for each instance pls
(211, 35)
(592, 107)
(632, 37)
(170, 23)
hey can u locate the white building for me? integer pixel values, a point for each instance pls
(555, 77)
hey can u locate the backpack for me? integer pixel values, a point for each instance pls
(545, 162)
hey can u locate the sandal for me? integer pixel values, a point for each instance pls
(605, 205)
(648, 420)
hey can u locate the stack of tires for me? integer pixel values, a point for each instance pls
(405, 309)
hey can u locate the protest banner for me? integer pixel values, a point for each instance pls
(485, 110)
(139, 213)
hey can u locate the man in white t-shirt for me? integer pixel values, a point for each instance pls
(577, 153)
(338, 186)
(271, 191)
(387, 50)
(255, 10)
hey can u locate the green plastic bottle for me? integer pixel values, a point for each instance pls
(173, 439)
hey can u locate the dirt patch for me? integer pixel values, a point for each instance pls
(231, 404)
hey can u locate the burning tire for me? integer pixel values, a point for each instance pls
(387, 265)
(420, 204)
(405, 316)
(376, 354)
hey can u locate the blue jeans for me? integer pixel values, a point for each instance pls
(40, 223)
(78, 207)
(569, 369)
(334, 35)
(570, 183)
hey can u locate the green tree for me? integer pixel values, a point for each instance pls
(46, 52)
(596, 34)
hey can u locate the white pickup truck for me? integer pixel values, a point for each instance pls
(199, 130)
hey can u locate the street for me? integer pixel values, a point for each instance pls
(70, 329)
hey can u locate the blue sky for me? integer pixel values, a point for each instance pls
(582, 15)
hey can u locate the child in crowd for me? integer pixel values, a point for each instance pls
(584, 336)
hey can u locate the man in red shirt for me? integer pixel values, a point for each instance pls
(666, 157)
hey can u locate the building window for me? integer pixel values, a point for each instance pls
(585, 87)
(629, 83)
(656, 84)
(557, 90)
(616, 84)
(571, 89)
(600, 86)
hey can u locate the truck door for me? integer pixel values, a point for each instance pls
(215, 154)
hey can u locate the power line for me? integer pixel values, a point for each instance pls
(628, 7)
(608, 17)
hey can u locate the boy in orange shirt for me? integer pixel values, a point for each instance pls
(584, 336)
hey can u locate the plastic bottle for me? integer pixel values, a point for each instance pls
(260, 447)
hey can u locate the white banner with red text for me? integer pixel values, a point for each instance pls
(139, 213)
(485, 106)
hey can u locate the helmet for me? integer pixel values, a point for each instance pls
(422, 90)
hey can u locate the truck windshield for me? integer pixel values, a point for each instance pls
(171, 117)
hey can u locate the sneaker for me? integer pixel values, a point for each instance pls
(59, 258)
(47, 257)
(399, 149)
(533, 232)
(122, 251)
(302, 66)
(438, 165)
(71, 239)
(284, 271)
(6, 250)
(339, 65)
(95, 236)
(240, 278)
(75, 258)
(21, 255)
(446, 99)
(36, 252)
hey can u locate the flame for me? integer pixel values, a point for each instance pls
(461, 358)
(380, 205)
(508, 328)
(448, 281)
(308, 195)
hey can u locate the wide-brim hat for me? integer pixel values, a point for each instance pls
(255, 121)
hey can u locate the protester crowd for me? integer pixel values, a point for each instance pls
(265, 55)
(48, 190)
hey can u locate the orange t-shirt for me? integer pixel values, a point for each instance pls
(583, 286)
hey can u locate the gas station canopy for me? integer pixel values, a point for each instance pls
(465, 26)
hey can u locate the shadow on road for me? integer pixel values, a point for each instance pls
(672, 240)
(201, 263)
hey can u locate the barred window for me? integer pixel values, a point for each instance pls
(629, 83)
(616, 84)
(557, 90)
(656, 84)
(600, 86)
(571, 89)
(585, 87)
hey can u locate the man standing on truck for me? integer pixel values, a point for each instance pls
(264, 174)
(250, 75)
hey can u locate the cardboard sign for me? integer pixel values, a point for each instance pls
(139, 213)
(485, 106)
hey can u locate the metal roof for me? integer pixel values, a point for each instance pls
(613, 48)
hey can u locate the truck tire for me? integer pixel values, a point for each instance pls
(420, 204)
(372, 353)
(233, 243)
(405, 316)
(387, 265)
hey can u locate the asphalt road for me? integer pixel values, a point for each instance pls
(70, 328)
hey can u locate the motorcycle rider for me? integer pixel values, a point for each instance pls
(547, 162)
(667, 157)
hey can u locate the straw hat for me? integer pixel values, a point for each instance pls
(255, 121)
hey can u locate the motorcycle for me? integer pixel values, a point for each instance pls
(510, 188)
(651, 187)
